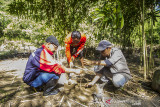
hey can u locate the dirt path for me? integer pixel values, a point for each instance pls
(13, 92)
(15, 65)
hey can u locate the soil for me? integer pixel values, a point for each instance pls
(15, 93)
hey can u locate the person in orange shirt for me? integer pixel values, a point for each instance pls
(74, 43)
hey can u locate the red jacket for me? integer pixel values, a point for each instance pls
(68, 43)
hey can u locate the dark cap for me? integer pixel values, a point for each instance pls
(53, 40)
(76, 34)
(103, 45)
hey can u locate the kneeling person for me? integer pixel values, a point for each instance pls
(112, 64)
(41, 68)
(74, 43)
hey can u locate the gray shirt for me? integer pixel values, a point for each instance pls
(117, 63)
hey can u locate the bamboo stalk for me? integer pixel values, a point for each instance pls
(69, 104)
(61, 101)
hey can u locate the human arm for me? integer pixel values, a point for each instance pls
(95, 79)
(76, 71)
(68, 53)
(92, 62)
(68, 42)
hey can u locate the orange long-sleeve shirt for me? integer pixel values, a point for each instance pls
(68, 43)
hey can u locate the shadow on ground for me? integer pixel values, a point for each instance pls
(137, 92)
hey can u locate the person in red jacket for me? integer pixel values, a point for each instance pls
(74, 43)
(43, 70)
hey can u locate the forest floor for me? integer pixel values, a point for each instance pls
(15, 93)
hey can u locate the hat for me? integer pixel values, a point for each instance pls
(51, 39)
(103, 45)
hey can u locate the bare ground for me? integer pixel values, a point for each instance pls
(15, 93)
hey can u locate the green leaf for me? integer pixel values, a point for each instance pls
(97, 18)
(106, 19)
(96, 9)
(100, 15)
(122, 22)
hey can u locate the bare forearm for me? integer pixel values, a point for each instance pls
(96, 78)
(101, 62)
(68, 70)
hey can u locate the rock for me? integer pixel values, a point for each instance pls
(156, 81)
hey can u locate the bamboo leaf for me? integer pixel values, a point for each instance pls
(97, 19)
(122, 22)
(101, 15)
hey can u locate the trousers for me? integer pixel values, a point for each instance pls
(118, 79)
(43, 78)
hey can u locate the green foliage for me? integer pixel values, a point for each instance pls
(156, 35)
(108, 18)
(13, 28)
(118, 20)
(4, 4)
(62, 15)
(4, 21)
(16, 34)
(115, 20)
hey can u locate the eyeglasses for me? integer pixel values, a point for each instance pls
(56, 47)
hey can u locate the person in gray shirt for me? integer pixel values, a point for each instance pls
(112, 65)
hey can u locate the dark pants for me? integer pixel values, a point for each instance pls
(73, 50)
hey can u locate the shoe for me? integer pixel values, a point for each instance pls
(104, 79)
(54, 92)
(49, 87)
(37, 89)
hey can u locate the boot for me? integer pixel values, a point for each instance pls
(37, 89)
(50, 85)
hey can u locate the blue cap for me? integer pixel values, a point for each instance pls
(103, 45)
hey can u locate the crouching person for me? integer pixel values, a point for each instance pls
(112, 65)
(42, 70)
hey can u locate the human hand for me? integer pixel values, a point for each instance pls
(90, 84)
(71, 64)
(56, 70)
(87, 62)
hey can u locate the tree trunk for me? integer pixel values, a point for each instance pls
(144, 43)
(151, 61)
(151, 48)
(141, 49)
